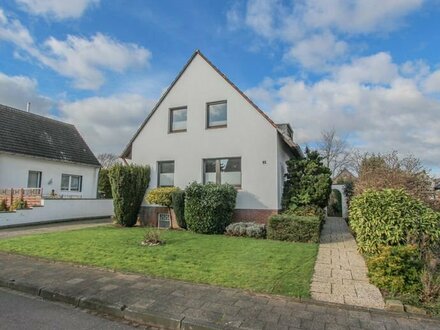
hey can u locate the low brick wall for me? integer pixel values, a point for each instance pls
(148, 215)
(253, 215)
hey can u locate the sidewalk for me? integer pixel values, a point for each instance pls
(340, 272)
(180, 305)
(52, 227)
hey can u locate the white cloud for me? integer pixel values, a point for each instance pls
(12, 30)
(107, 123)
(58, 9)
(368, 100)
(318, 51)
(16, 91)
(432, 83)
(85, 60)
(312, 29)
(376, 69)
(358, 16)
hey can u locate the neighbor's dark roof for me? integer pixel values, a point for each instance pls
(30, 134)
(289, 142)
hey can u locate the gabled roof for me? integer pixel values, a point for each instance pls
(29, 134)
(292, 145)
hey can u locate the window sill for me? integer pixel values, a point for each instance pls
(219, 126)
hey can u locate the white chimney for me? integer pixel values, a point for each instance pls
(28, 107)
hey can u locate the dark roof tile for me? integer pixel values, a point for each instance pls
(30, 134)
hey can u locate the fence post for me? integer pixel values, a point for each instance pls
(12, 197)
(21, 194)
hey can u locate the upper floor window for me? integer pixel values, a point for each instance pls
(178, 119)
(165, 174)
(222, 170)
(71, 182)
(216, 114)
(34, 179)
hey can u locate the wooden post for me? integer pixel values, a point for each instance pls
(12, 197)
(21, 194)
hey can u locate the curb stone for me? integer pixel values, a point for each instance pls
(157, 319)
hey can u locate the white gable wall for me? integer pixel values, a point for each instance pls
(14, 170)
(248, 135)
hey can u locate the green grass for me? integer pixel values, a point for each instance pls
(257, 265)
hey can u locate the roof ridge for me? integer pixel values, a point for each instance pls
(34, 114)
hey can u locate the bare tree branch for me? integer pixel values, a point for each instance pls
(107, 159)
(334, 151)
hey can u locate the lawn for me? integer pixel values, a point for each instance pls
(257, 265)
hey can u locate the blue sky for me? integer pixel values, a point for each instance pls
(369, 69)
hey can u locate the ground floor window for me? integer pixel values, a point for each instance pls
(165, 174)
(34, 179)
(222, 170)
(71, 182)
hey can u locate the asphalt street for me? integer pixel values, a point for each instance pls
(19, 311)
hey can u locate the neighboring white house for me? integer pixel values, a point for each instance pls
(45, 154)
(205, 129)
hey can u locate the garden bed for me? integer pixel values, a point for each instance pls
(212, 259)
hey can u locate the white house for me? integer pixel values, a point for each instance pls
(45, 154)
(205, 129)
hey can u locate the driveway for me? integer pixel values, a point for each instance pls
(52, 227)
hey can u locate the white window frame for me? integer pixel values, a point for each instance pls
(218, 170)
(159, 163)
(69, 188)
(39, 176)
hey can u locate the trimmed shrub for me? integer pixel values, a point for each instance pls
(392, 217)
(396, 269)
(307, 211)
(248, 229)
(129, 183)
(178, 205)
(161, 196)
(294, 228)
(3, 205)
(209, 208)
(104, 186)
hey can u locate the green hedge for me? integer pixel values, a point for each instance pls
(129, 183)
(178, 205)
(294, 228)
(396, 269)
(104, 186)
(391, 217)
(209, 208)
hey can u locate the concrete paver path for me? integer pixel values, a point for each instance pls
(340, 272)
(181, 305)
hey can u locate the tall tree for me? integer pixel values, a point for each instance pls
(107, 160)
(334, 151)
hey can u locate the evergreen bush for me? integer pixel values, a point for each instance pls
(209, 208)
(392, 217)
(178, 205)
(129, 183)
(294, 228)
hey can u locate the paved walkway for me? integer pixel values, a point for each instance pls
(340, 271)
(181, 305)
(52, 227)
